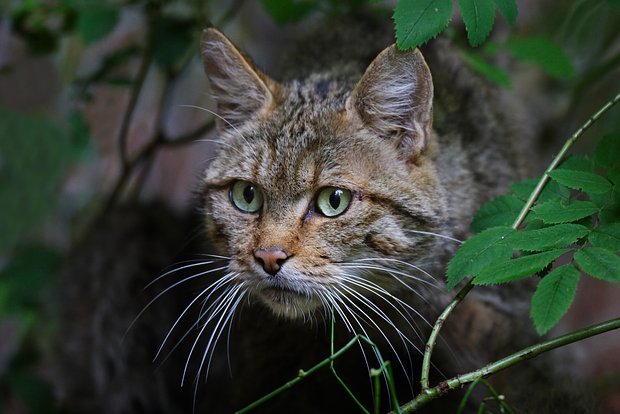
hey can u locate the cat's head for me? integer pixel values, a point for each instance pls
(322, 185)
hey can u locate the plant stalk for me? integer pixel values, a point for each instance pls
(430, 345)
(530, 352)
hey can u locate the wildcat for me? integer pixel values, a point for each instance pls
(340, 190)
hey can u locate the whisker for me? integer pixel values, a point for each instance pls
(160, 294)
(212, 288)
(430, 233)
(196, 262)
(384, 269)
(221, 307)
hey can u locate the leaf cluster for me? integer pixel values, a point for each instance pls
(573, 228)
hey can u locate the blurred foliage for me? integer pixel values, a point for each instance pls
(575, 43)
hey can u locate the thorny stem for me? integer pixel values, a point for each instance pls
(428, 350)
(500, 365)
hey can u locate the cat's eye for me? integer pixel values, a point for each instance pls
(332, 201)
(246, 196)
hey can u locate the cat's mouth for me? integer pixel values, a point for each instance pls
(286, 301)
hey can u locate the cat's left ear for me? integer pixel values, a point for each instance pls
(394, 98)
(241, 90)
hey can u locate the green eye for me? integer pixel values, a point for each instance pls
(333, 201)
(246, 196)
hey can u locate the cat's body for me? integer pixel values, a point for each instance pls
(335, 189)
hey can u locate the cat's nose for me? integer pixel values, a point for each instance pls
(271, 258)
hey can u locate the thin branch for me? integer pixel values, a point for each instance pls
(430, 345)
(530, 352)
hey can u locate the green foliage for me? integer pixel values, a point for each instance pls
(95, 21)
(508, 9)
(491, 72)
(558, 211)
(553, 297)
(576, 215)
(288, 11)
(587, 182)
(478, 16)
(515, 269)
(479, 252)
(501, 211)
(547, 238)
(544, 52)
(34, 153)
(599, 263)
(417, 21)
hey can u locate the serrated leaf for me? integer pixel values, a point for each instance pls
(552, 190)
(607, 236)
(491, 72)
(580, 180)
(547, 238)
(554, 295)
(577, 162)
(515, 269)
(607, 152)
(508, 9)
(94, 22)
(501, 211)
(543, 52)
(599, 263)
(556, 211)
(478, 252)
(478, 16)
(418, 21)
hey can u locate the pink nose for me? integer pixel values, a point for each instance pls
(271, 258)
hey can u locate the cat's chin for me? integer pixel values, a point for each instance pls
(287, 303)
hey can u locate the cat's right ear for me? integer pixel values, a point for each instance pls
(240, 89)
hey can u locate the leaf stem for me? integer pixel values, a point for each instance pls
(530, 352)
(430, 345)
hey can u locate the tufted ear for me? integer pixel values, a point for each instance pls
(394, 99)
(240, 89)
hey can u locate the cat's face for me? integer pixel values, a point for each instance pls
(316, 187)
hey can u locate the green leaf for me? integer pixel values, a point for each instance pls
(418, 21)
(94, 22)
(288, 11)
(543, 52)
(478, 252)
(552, 190)
(515, 269)
(606, 154)
(556, 211)
(553, 296)
(548, 238)
(580, 180)
(577, 162)
(599, 263)
(607, 236)
(508, 9)
(491, 72)
(501, 211)
(478, 16)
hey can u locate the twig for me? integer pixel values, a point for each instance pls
(430, 345)
(500, 365)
